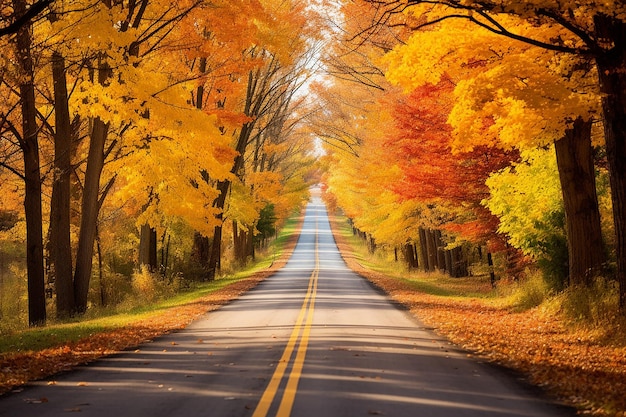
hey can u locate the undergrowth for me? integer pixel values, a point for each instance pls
(591, 311)
(127, 299)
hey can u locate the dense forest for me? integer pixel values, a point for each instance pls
(482, 137)
(171, 139)
(147, 137)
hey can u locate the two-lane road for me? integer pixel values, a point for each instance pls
(313, 340)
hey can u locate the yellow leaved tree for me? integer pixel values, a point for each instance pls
(514, 95)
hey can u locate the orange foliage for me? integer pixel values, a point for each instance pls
(431, 173)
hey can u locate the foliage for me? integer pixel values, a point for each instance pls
(527, 200)
(166, 85)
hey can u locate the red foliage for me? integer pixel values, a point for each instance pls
(421, 146)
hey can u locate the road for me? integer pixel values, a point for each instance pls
(313, 340)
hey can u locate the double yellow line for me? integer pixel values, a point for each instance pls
(301, 331)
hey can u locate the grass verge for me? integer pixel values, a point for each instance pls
(570, 363)
(41, 352)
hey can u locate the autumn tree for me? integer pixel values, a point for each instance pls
(352, 122)
(421, 145)
(118, 109)
(144, 103)
(526, 198)
(25, 133)
(490, 109)
(272, 81)
(265, 85)
(588, 32)
(22, 17)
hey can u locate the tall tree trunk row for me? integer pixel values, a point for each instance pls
(32, 175)
(611, 70)
(89, 214)
(59, 244)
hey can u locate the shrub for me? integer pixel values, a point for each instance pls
(145, 285)
(529, 292)
(593, 306)
(116, 288)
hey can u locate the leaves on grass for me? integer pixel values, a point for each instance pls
(22, 366)
(568, 364)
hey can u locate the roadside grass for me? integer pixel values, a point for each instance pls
(593, 310)
(432, 283)
(571, 344)
(39, 353)
(100, 320)
(103, 320)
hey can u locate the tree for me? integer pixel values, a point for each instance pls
(110, 76)
(490, 109)
(59, 242)
(585, 30)
(263, 86)
(422, 146)
(28, 141)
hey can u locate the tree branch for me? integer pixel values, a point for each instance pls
(32, 12)
(486, 11)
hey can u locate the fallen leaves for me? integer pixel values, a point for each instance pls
(21, 367)
(36, 400)
(569, 366)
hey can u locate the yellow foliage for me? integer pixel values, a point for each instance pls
(526, 198)
(507, 93)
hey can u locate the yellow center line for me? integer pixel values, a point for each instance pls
(307, 310)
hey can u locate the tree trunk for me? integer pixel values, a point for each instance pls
(432, 250)
(459, 264)
(103, 292)
(32, 176)
(60, 247)
(250, 244)
(239, 243)
(371, 243)
(424, 247)
(409, 255)
(582, 216)
(612, 73)
(165, 254)
(89, 214)
(439, 247)
(415, 256)
(447, 255)
(200, 251)
(148, 248)
(431, 245)
(492, 273)
(215, 259)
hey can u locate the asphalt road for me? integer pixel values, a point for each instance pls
(313, 340)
